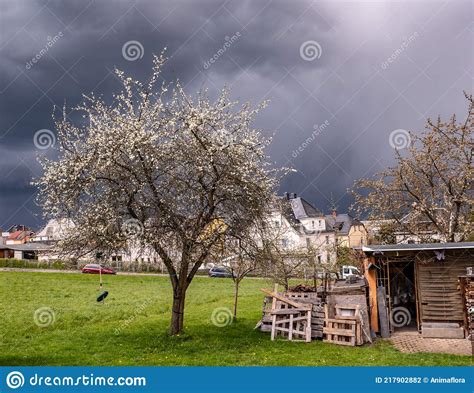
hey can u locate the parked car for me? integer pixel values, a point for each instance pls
(348, 270)
(95, 268)
(219, 271)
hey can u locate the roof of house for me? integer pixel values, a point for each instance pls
(380, 248)
(340, 223)
(19, 235)
(295, 209)
(303, 209)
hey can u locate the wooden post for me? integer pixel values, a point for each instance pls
(388, 297)
(290, 328)
(308, 326)
(417, 297)
(274, 302)
(371, 276)
(382, 308)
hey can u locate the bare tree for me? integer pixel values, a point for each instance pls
(282, 258)
(430, 188)
(248, 251)
(166, 170)
(244, 258)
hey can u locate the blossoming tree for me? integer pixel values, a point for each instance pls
(162, 169)
(430, 189)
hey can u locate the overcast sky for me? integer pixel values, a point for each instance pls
(340, 76)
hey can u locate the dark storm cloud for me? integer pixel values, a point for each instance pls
(382, 66)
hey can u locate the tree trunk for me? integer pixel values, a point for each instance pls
(236, 298)
(177, 316)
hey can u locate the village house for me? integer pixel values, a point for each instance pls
(391, 231)
(300, 225)
(17, 234)
(55, 230)
(350, 232)
(303, 225)
(16, 243)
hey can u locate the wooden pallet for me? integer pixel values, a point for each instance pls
(344, 328)
(290, 319)
(265, 324)
(307, 298)
(317, 311)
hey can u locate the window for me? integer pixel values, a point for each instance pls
(320, 223)
(284, 243)
(319, 258)
(277, 224)
(327, 239)
(308, 242)
(328, 259)
(312, 224)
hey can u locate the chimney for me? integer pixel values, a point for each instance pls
(334, 213)
(286, 196)
(293, 195)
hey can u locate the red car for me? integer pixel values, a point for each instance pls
(94, 268)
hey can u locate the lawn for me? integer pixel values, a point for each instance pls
(131, 327)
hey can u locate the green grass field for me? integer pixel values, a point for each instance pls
(131, 327)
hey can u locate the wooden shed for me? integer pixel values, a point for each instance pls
(415, 287)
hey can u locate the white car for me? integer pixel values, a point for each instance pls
(348, 270)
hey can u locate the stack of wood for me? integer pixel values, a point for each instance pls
(345, 327)
(317, 310)
(302, 288)
(467, 289)
(349, 293)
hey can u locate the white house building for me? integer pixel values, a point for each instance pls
(304, 226)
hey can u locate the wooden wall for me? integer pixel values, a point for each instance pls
(439, 296)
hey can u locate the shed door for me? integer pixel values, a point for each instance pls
(439, 297)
